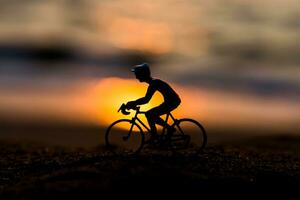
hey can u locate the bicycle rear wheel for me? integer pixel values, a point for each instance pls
(124, 136)
(190, 137)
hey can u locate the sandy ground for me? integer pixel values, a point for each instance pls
(37, 170)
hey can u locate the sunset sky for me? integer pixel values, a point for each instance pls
(234, 63)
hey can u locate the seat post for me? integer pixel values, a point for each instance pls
(170, 114)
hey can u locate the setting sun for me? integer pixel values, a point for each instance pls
(111, 93)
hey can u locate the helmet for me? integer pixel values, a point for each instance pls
(142, 70)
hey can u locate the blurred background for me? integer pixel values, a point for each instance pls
(65, 64)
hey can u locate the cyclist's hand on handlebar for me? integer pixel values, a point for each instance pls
(131, 105)
(123, 109)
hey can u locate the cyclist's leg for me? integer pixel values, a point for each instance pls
(165, 109)
(150, 115)
(153, 116)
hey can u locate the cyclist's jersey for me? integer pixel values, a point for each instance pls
(169, 95)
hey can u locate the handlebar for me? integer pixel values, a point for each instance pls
(124, 109)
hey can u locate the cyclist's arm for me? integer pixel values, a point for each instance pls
(147, 97)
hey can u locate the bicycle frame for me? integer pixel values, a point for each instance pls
(135, 118)
(178, 140)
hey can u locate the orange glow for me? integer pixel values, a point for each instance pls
(213, 108)
(110, 93)
(97, 103)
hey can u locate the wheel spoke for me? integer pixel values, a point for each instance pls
(125, 137)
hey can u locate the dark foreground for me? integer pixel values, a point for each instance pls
(270, 165)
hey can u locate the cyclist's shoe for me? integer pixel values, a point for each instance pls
(152, 140)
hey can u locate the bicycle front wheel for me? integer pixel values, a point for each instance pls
(124, 136)
(193, 135)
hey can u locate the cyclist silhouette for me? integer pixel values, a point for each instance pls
(171, 100)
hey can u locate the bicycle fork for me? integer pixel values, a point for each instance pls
(125, 138)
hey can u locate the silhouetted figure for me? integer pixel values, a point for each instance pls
(171, 100)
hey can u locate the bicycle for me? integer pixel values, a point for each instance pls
(127, 135)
